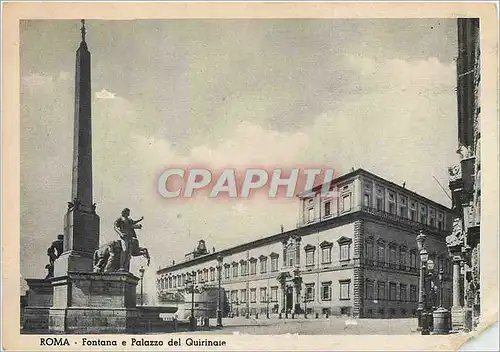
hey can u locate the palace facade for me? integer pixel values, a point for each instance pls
(353, 253)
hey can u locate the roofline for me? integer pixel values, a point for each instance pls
(363, 172)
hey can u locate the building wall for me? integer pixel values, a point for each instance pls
(399, 268)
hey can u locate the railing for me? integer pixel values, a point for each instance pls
(395, 266)
(373, 211)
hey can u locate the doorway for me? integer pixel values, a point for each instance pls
(289, 299)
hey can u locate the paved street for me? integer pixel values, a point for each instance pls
(322, 326)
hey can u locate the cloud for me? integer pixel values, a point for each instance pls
(103, 94)
(37, 81)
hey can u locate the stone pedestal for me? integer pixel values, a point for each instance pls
(457, 318)
(81, 239)
(87, 302)
(39, 301)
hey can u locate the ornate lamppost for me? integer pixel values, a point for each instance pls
(190, 286)
(440, 276)
(305, 305)
(430, 302)
(423, 255)
(219, 311)
(141, 272)
(267, 305)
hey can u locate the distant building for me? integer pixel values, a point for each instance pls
(353, 253)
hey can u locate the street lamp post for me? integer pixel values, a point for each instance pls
(305, 305)
(190, 283)
(267, 305)
(423, 255)
(219, 311)
(141, 272)
(440, 276)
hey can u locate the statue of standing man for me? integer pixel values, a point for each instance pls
(54, 252)
(125, 227)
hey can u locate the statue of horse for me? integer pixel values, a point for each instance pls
(136, 250)
(107, 256)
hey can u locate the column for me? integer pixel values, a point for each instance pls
(294, 297)
(456, 281)
(297, 296)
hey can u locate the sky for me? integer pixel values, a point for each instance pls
(373, 94)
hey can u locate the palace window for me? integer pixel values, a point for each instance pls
(226, 271)
(263, 265)
(440, 221)
(381, 290)
(402, 292)
(274, 262)
(369, 250)
(423, 214)
(243, 295)
(413, 293)
(392, 203)
(212, 274)
(402, 257)
(253, 267)
(326, 252)
(366, 200)
(205, 275)
(403, 207)
(392, 254)
(345, 246)
(309, 292)
(253, 295)
(381, 252)
(244, 268)
(413, 211)
(432, 217)
(392, 291)
(179, 281)
(234, 296)
(328, 209)
(326, 291)
(290, 255)
(235, 269)
(345, 289)
(380, 199)
(346, 203)
(309, 254)
(310, 210)
(380, 204)
(274, 294)
(413, 258)
(370, 289)
(263, 294)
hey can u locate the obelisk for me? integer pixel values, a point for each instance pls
(81, 223)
